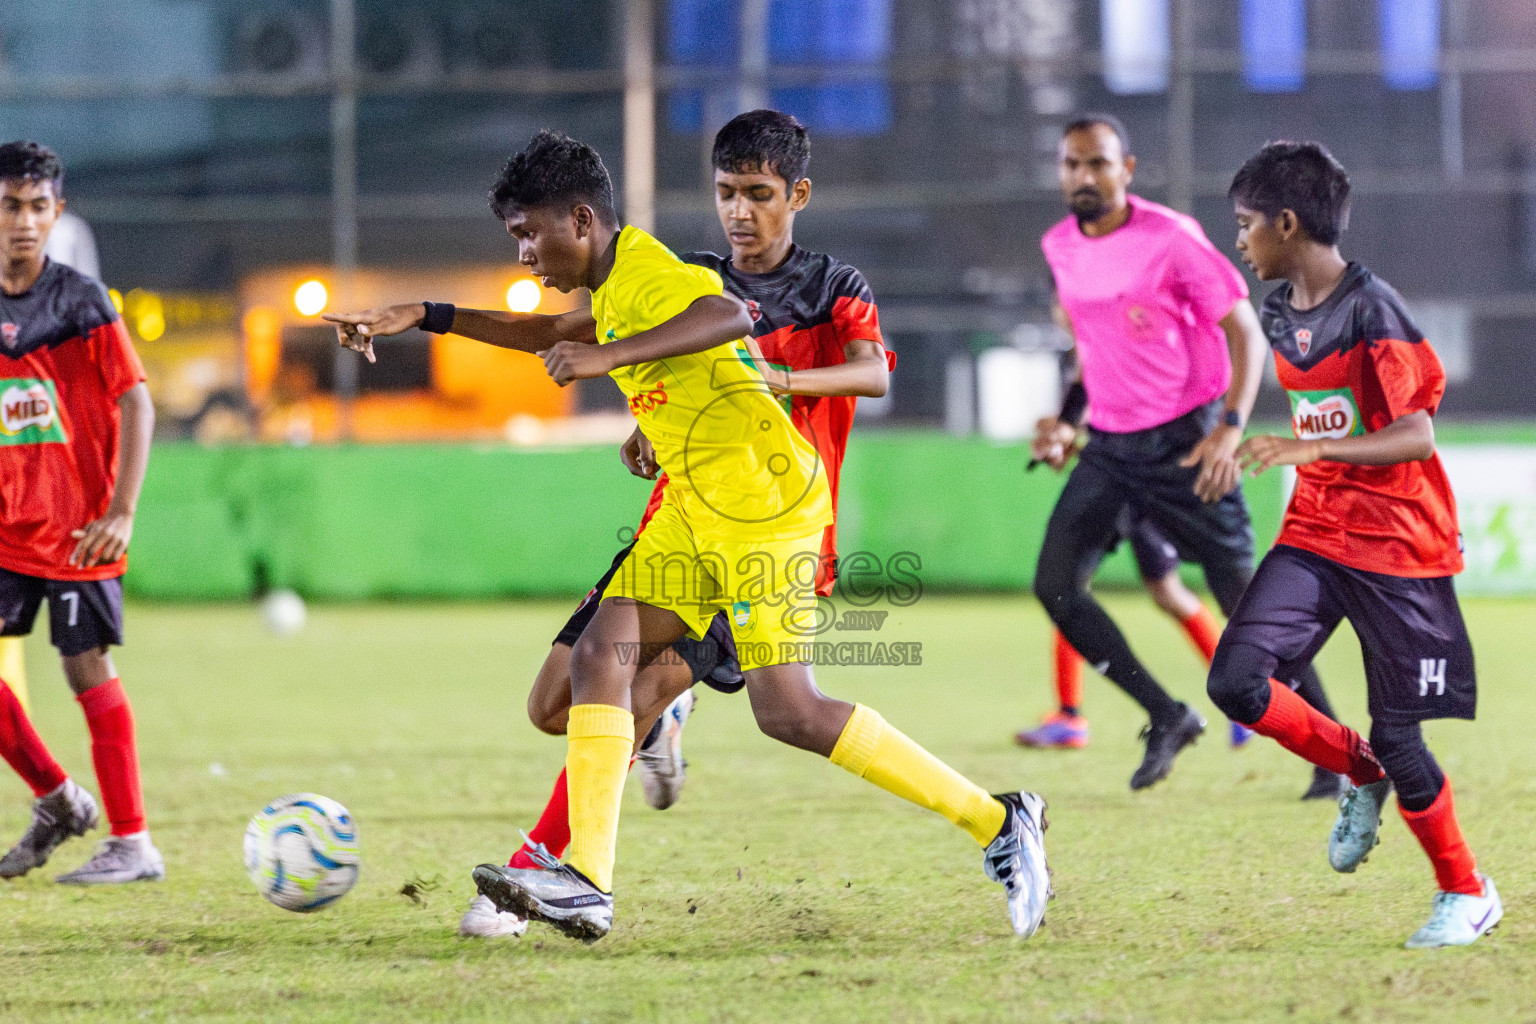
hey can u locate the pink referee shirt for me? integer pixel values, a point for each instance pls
(1145, 303)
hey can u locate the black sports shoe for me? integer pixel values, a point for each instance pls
(1164, 743)
(1325, 785)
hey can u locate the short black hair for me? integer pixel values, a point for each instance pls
(1110, 121)
(554, 168)
(763, 142)
(1302, 177)
(31, 161)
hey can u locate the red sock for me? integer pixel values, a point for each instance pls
(1440, 835)
(23, 749)
(110, 718)
(1205, 631)
(1069, 675)
(1307, 732)
(553, 828)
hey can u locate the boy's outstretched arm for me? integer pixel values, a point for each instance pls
(524, 332)
(1409, 438)
(864, 373)
(709, 321)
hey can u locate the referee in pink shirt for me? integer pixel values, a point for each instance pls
(1170, 353)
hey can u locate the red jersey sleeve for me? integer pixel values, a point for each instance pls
(1409, 375)
(1404, 375)
(114, 356)
(854, 314)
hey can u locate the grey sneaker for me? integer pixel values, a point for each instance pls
(1016, 858)
(662, 768)
(560, 896)
(117, 860)
(484, 921)
(66, 812)
(1354, 833)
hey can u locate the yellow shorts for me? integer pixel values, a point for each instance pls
(766, 588)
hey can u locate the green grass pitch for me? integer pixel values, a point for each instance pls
(779, 888)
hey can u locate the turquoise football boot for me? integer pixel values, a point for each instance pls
(1354, 834)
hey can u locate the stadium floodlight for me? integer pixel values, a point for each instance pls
(1274, 45)
(310, 297)
(1137, 44)
(524, 295)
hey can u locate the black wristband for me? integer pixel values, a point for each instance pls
(1074, 404)
(439, 318)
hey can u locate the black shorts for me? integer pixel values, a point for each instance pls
(1418, 657)
(1140, 471)
(1155, 556)
(83, 615)
(712, 660)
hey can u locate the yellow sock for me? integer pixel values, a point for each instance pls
(13, 669)
(599, 739)
(874, 751)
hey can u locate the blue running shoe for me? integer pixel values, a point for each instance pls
(1056, 731)
(1354, 833)
(1459, 919)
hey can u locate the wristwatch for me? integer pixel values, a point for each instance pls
(1232, 418)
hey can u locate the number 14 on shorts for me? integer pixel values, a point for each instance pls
(1431, 672)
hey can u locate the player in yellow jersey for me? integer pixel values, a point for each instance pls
(739, 530)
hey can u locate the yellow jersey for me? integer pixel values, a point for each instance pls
(736, 465)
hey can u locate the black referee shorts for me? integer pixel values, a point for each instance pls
(1139, 474)
(1155, 557)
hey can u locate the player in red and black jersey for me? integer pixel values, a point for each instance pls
(75, 425)
(815, 329)
(1370, 534)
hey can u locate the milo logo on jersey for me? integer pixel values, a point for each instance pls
(1320, 414)
(29, 412)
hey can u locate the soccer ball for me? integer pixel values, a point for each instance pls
(301, 852)
(283, 611)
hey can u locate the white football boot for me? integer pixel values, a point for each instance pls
(117, 860)
(66, 812)
(662, 768)
(484, 921)
(1459, 919)
(1016, 858)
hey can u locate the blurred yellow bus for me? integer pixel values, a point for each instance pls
(261, 364)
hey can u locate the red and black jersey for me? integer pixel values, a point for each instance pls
(65, 360)
(1351, 366)
(803, 314)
